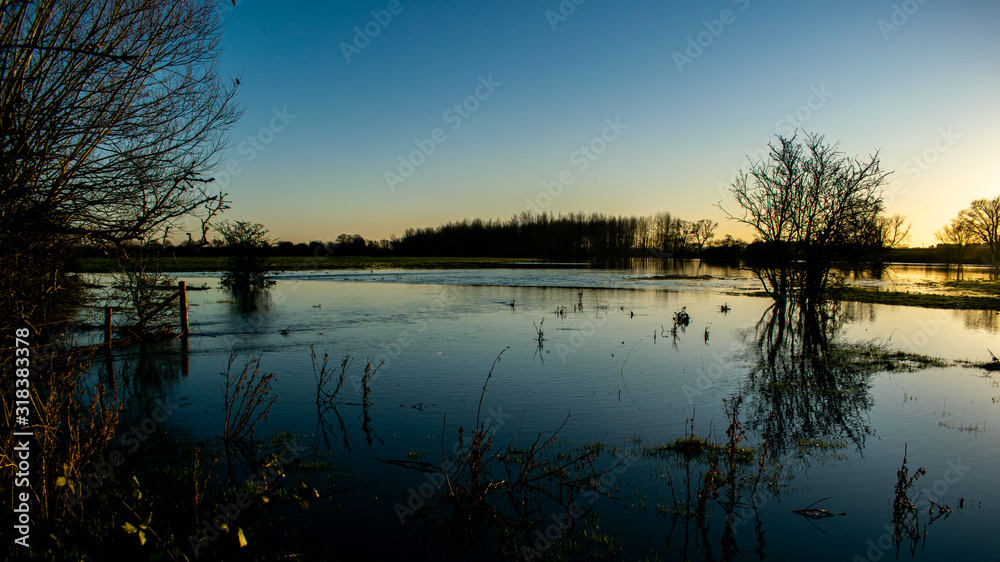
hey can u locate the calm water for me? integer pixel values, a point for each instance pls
(623, 379)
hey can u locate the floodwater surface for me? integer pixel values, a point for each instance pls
(596, 353)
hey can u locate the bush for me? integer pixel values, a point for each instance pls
(248, 263)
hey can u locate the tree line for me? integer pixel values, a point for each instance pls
(575, 236)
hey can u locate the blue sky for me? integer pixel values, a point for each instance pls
(445, 110)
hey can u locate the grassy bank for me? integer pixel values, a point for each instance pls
(925, 300)
(982, 286)
(899, 298)
(291, 263)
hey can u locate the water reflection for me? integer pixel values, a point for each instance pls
(143, 375)
(986, 320)
(674, 267)
(806, 393)
(250, 302)
(804, 386)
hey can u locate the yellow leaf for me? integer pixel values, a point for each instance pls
(61, 481)
(239, 537)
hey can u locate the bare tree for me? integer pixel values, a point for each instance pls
(143, 293)
(893, 232)
(812, 209)
(702, 231)
(957, 234)
(113, 113)
(983, 219)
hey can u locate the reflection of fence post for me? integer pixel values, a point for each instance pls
(182, 291)
(185, 358)
(107, 325)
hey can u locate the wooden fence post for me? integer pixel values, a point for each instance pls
(182, 290)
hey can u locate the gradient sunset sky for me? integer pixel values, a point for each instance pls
(668, 99)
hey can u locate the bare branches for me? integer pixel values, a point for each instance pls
(811, 209)
(113, 113)
(982, 218)
(957, 234)
(702, 231)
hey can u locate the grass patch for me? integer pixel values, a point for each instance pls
(694, 447)
(900, 298)
(924, 300)
(983, 286)
(819, 444)
(897, 360)
(969, 427)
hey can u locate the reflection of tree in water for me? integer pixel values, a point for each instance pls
(804, 391)
(805, 385)
(986, 320)
(254, 300)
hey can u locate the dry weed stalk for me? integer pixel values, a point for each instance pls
(905, 517)
(510, 486)
(324, 377)
(248, 398)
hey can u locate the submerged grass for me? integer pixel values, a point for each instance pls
(902, 298)
(983, 286)
(925, 300)
(694, 447)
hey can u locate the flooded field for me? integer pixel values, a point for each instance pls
(742, 433)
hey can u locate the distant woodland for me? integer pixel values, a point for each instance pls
(576, 237)
(572, 237)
